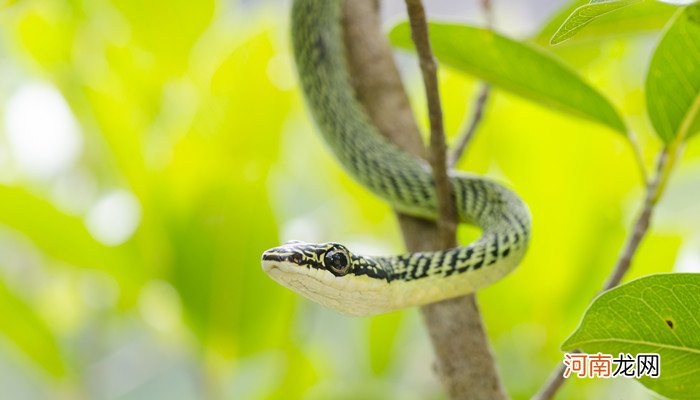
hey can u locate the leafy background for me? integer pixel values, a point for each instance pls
(150, 151)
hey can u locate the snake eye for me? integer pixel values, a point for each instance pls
(337, 261)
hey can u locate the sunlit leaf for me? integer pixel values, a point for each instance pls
(583, 15)
(655, 314)
(29, 332)
(58, 235)
(383, 330)
(180, 21)
(678, 2)
(47, 36)
(647, 16)
(673, 81)
(518, 67)
(222, 220)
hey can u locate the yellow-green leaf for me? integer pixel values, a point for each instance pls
(21, 325)
(520, 68)
(60, 236)
(583, 15)
(673, 81)
(654, 314)
(645, 17)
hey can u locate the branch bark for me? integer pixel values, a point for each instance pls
(447, 220)
(464, 359)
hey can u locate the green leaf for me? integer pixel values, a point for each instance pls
(583, 15)
(648, 16)
(678, 2)
(58, 235)
(655, 314)
(514, 66)
(217, 248)
(673, 81)
(383, 331)
(21, 325)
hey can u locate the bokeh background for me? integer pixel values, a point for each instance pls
(151, 150)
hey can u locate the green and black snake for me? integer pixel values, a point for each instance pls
(331, 274)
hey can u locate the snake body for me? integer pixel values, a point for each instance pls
(331, 274)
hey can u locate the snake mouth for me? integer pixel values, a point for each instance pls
(271, 261)
(268, 267)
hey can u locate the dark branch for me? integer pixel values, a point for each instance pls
(465, 362)
(446, 221)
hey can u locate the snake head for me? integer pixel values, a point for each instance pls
(332, 257)
(329, 274)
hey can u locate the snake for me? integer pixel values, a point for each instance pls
(361, 285)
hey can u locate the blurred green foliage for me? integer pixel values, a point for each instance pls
(193, 109)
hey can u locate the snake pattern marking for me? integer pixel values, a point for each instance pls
(331, 274)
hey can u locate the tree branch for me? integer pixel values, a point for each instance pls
(624, 260)
(446, 221)
(465, 363)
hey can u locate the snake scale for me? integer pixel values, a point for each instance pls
(332, 275)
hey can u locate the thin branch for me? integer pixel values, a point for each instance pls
(468, 135)
(465, 361)
(624, 260)
(488, 12)
(554, 382)
(641, 226)
(446, 220)
(480, 104)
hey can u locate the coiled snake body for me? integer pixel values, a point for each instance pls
(331, 274)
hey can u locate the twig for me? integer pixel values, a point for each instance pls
(488, 12)
(446, 220)
(478, 113)
(624, 260)
(553, 383)
(465, 362)
(641, 226)
(474, 122)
